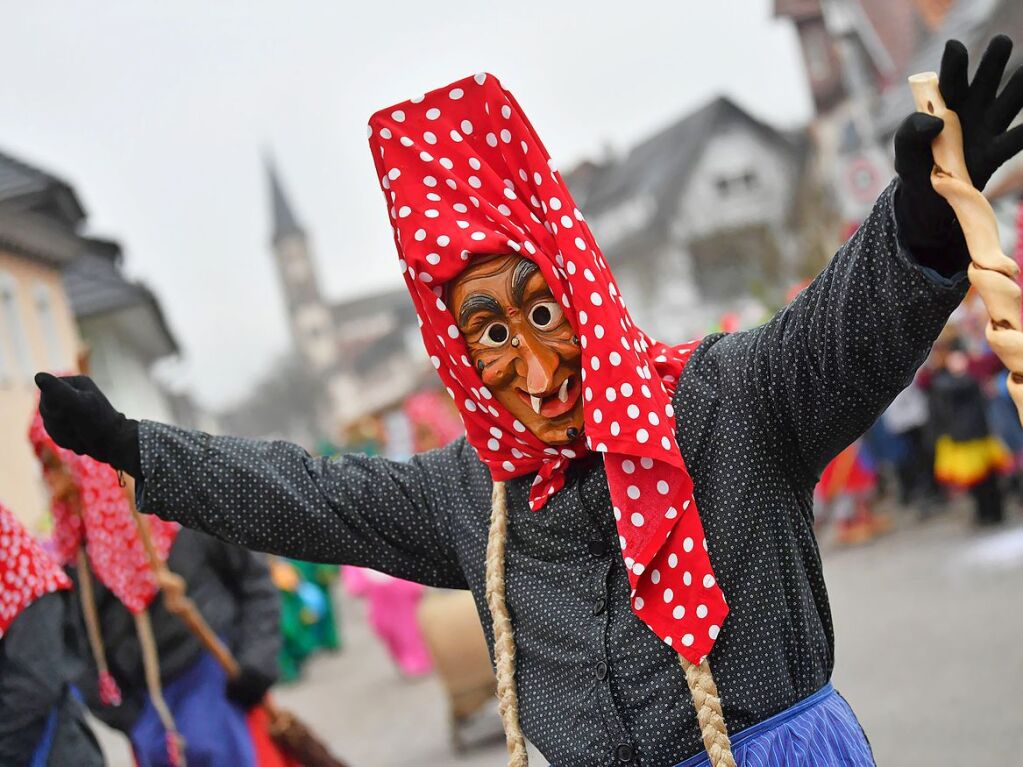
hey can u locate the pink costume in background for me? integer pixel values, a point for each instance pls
(392, 606)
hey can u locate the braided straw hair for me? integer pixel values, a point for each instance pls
(504, 635)
(708, 712)
(699, 678)
(991, 272)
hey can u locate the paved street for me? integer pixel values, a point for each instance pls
(928, 625)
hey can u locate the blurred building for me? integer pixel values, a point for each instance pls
(696, 220)
(124, 331)
(351, 357)
(64, 304)
(39, 216)
(858, 55)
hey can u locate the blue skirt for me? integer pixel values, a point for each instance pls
(817, 731)
(214, 728)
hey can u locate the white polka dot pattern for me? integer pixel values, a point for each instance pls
(26, 572)
(104, 523)
(763, 410)
(627, 419)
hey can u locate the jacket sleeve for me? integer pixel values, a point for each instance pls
(826, 366)
(275, 497)
(257, 630)
(31, 684)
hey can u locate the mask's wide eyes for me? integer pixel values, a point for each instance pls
(545, 315)
(495, 334)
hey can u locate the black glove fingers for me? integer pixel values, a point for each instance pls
(1007, 146)
(913, 157)
(989, 72)
(60, 397)
(953, 81)
(1008, 103)
(80, 383)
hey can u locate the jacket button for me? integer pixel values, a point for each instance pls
(624, 753)
(601, 671)
(598, 547)
(599, 606)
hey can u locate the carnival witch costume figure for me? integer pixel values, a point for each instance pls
(130, 630)
(94, 532)
(612, 492)
(41, 721)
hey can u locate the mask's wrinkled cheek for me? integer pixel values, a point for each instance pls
(499, 372)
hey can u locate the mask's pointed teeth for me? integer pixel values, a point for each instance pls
(563, 391)
(535, 402)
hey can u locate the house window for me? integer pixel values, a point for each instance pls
(736, 184)
(44, 310)
(11, 327)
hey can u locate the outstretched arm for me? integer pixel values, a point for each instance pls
(825, 367)
(275, 497)
(268, 496)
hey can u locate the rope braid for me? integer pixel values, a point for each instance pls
(708, 712)
(699, 678)
(109, 693)
(504, 635)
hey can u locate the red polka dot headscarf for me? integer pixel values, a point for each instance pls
(465, 174)
(105, 524)
(26, 572)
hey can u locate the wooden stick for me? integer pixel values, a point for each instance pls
(992, 273)
(175, 597)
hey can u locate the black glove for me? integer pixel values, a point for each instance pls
(80, 418)
(927, 225)
(248, 688)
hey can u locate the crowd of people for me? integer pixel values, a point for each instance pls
(952, 433)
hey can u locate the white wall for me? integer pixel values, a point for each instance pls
(730, 153)
(121, 372)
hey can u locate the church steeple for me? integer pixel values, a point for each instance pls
(309, 316)
(284, 222)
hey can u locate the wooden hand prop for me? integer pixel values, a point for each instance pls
(992, 273)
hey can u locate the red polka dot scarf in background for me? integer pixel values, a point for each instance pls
(26, 572)
(465, 174)
(112, 543)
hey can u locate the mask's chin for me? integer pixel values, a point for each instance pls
(563, 431)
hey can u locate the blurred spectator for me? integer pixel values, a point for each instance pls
(41, 719)
(392, 606)
(232, 589)
(308, 621)
(906, 420)
(845, 494)
(967, 455)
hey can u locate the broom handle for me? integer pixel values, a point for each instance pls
(177, 602)
(175, 597)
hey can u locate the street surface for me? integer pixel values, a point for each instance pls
(928, 624)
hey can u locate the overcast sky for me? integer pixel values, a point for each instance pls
(158, 114)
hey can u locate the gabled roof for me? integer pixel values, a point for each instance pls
(660, 167)
(95, 286)
(25, 187)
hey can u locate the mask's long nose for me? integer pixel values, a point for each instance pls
(541, 363)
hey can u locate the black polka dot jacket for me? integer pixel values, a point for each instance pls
(760, 413)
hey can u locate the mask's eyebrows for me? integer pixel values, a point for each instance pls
(524, 269)
(477, 302)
